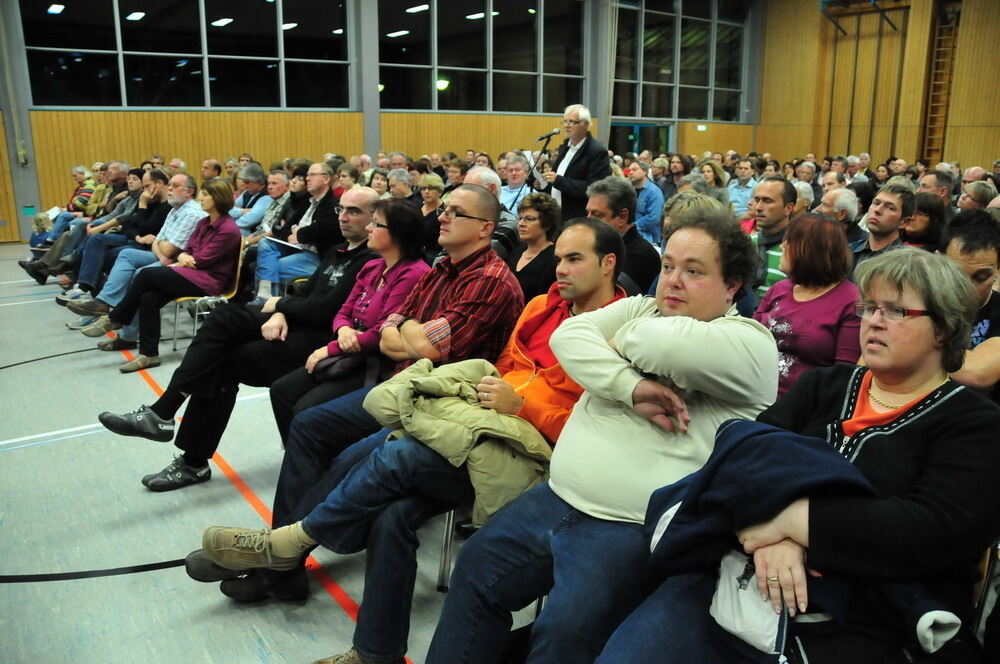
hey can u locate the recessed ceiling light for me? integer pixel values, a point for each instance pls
(381, 87)
(289, 26)
(55, 9)
(397, 33)
(417, 9)
(532, 11)
(442, 84)
(479, 15)
(222, 22)
(338, 31)
(135, 16)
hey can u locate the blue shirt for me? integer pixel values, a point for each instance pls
(649, 212)
(180, 223)
(511, 198)
(247, 221)
(739, 195)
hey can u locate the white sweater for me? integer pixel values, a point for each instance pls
(609, 459)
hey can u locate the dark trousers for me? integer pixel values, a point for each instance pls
(150, 290)
(298, 390)
(229, 350)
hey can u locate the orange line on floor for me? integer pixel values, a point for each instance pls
(339, 595)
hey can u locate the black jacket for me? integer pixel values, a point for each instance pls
(316, 303)
(590, 164)
(324, 231)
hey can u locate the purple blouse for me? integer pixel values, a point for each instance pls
(374, 297)
(213, 247)
(811, 334)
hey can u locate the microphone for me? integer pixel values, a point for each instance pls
(544, 136)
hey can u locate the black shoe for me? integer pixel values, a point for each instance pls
(116, 344)
(200, 568)
(261, 584)
(35, 270)
(176, 476)
(141, 422)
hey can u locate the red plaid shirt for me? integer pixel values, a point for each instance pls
(467, 309)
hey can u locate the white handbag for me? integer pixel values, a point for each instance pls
(738, 608)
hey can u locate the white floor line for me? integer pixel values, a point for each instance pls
(14, 304)
(18, 281)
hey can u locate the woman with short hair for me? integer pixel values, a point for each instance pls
(431, 187)
(977, 195)
(533, 260)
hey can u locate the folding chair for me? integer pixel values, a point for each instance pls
(203, 304)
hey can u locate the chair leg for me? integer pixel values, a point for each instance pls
(197, 312)
(177, 306)
(444, 569)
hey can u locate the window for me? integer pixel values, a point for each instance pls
(243, 82)
(152, 80)
(404, 87)
(85, 25)
(233, 28)
(165, 27)
(316, 85)
(77, 79)
(319, 32)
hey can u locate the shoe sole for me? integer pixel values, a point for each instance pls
(281, 595)
(78, 309)
(110, 426)
(127, 368)
(112, 347)
(173, 487)
(209, 573)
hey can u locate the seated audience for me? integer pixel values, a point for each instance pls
(923, 445)
(923, 228)
(613, 201)
(517, 187)
(431, 188)
(83, 178)
(382, 501)
(238, 344)
(803, 198)
(351, 359)
(348, 176)
(379, 181)
(649, 203)
(578, 537)
(455, 169)
(716, 181)
(811, 313)
(249, 208)
(892, 204)
(278, 190)
(773, 203)
(533, 260)
(206, 267)
(401, 186)
(977, 195)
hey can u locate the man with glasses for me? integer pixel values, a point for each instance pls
(464, 307)
(311, 238)
(581, 160)
(252, 346)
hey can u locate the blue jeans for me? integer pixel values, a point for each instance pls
(592, 570)
(60, 224)
(379, 506)
(94, 253)
(77, 236)
(120, 276)
(277, 263)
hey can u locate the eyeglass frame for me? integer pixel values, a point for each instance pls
(453, 215)
(340, 209)
(897, 313)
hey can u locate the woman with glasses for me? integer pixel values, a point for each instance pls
(927, 447)
(533, 261)
(431, 188)
(352, 360)
(811, 314)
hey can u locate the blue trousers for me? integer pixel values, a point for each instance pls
(591, 569)
(60, 225)
(94, 254)
(277, 263)
(379, 506)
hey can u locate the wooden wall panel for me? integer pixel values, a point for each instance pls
(8, 209)
(717, 137)
(845, 63)
(886, 99)
(66, 138)
(973, 133)
(913, 88)
(425, 133)
(861, 111)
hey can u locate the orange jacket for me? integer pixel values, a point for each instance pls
(549, 394)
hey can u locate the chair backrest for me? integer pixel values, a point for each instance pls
(234, 287)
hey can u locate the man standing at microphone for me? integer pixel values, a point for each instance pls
(581, 160)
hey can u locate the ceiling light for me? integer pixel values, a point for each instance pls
(338, 31)
(417, 9)
(479, 15)
(289, 26)
(222, 22)
(532, 11)
(135, 16)
(397, 33)
(442, 84)
(381, 87)
(55, 9)
(182, 63)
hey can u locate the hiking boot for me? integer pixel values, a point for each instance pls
(92, 307)
(73, 294)
(98, 328)
(260, 584)
(139, 363)
(141, 422)
(200, 568)
(81, 322)
(35, 270)
(177, 475)
(116, 344)
(241, 548)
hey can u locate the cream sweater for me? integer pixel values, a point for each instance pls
(609, 459)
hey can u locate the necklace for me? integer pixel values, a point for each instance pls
(890, 406)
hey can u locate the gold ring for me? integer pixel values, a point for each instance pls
(772, 579)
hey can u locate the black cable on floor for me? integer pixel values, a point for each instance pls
(47, 357)
(69, 576)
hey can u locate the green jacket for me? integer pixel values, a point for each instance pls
(505, 455)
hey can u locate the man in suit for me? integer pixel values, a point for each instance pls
(581, 160)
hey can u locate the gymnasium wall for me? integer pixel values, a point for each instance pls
(9, 231)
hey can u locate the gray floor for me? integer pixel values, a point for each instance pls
(70, 500)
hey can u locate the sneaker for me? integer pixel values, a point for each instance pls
(116, 344)
(89, 307)
(139, 363)
(74, 293)
(200, 568)
(98, 328)
(81, 323)
(141, 422)
(176, 476)
(65, 282)
(240, 548)
(349, 657)
(259, 584)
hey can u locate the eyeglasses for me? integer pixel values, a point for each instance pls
(528, 220)
(316, 175)
(349, 211)
(375, 224)
(428, 189)
(888, 312)
(452, 213)
(571, 122)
